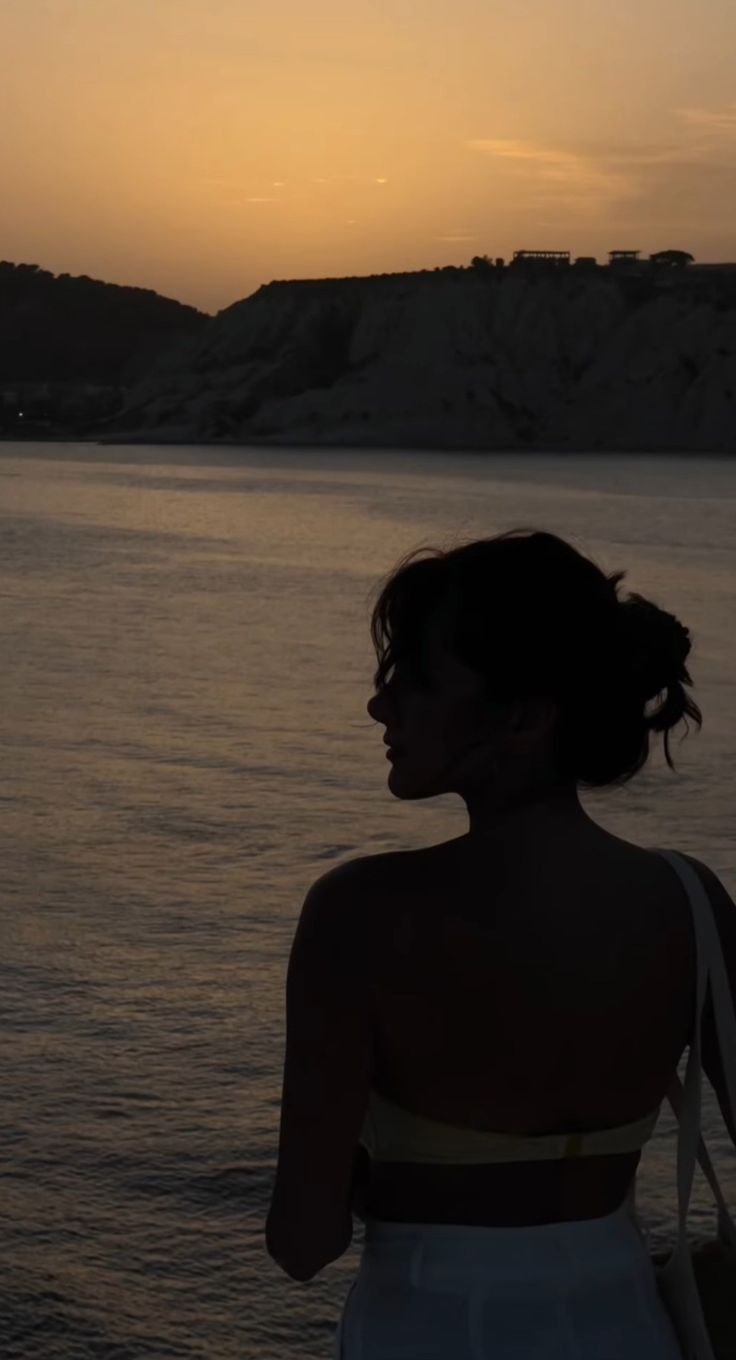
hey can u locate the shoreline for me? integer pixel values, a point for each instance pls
(396, 447)
(154, 440)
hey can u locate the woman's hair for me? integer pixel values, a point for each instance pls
(536, 618)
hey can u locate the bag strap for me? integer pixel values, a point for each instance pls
(726, 1225)
(686, 1100)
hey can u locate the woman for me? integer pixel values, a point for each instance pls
(480, 1033)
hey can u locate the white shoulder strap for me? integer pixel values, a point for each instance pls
(686, 1100)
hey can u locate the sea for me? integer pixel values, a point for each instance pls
(185, 749)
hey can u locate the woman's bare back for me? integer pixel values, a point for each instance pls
(543, 996)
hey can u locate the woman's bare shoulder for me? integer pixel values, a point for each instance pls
(397, 875)
(724, 912)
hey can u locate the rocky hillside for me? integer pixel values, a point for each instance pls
(61, 328)
(460, 359)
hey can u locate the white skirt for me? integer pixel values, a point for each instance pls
(583, 1290)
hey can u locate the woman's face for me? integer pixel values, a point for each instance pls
(444, 730)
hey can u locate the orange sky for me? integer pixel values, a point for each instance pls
(203, 147)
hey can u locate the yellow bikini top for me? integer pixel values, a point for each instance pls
(393, 1134)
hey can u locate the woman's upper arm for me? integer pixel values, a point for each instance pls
(327, 1076)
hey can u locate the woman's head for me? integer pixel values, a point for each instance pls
(513, 659)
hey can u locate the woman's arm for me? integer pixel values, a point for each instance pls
(328, 1069)
(360, 1184)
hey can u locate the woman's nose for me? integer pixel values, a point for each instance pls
(375, 707)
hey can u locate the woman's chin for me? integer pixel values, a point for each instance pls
(404, 784)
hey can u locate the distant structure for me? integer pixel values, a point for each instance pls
(665, 261)
(672, 259)
(558, 258)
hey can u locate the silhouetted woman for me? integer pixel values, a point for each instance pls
(480, 1033)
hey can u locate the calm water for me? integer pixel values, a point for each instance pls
(186, 748)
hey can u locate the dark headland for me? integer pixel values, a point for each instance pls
(542, 353)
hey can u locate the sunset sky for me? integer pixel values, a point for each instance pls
(203, 147)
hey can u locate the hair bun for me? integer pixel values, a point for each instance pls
(659, 646)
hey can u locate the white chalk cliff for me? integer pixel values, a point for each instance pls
(459, 359)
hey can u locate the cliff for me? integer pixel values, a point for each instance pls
(459, 358)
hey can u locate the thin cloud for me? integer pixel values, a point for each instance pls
(455, 237)
(263, 200)
(569, 174)
(716, 122)
(636, 157)
(596, 175)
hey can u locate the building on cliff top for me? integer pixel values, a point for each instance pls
(556, 258)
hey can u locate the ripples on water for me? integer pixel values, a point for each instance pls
(186, 749)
